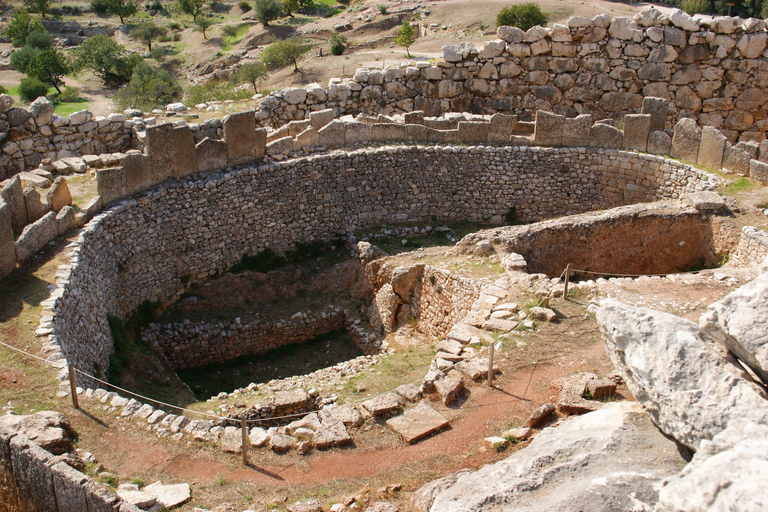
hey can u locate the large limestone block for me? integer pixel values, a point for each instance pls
(686, 141)
(138, 173)
(690, 392)
(35, 236)
(758, 171)
(730, 472)
(35, 204)
(240, 137)
(417, 423)
(110, 184)
(280, 146)
(211, 155)
(260, 144)
(739, 322)
(357, 133)
(711, 148)
(548, 130)
(185, 155)
(381, 132)
(7, 246)
(70, 487)
(307, 138)
(65, 220)
(606, 460)
(13, 195)
(659, 143)
(736, 160)
(657, 108)
(161, 152)
(58, 196)
(636, 130)
(501, 129)
(602, 135)
(422, 499)
(404, 280)
(34, 482)
(321, 118)
(333, 134)
(473, 132)
(387, 303)
(576, 130)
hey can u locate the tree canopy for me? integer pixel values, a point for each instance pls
(121, 8)
(251, 73)
(282, 53)
(523, 16)
(148, 32)
(267, 10)
(20, 26)
(106, 59)
(49, 66)
(148, 89)
(405, 37)
(41, 7)
(191, 7)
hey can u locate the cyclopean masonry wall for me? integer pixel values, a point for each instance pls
(142, 247)
(712, 70)
(31, 135)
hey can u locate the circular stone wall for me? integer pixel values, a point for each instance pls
(144, 247)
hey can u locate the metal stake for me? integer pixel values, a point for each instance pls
(490, 365)
(244, 430)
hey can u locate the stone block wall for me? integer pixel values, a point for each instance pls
(752, 247)
(441, 299)
(32, 479)
(31, 135)
(30, 219)
(712, 70)
(142, 247)
(191, 344)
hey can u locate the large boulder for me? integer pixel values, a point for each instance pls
(50, 430)
(739, 321)
(606, 460)
(691, 392)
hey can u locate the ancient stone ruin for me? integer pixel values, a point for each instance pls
(181, 203)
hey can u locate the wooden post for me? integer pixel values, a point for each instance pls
(490, 364)
(567, 277)
(73, 385)
(244, 429)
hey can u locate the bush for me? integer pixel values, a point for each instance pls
(522, 16)
(338, 44)
(31, 88)
(267, 10)
(284, 52)
(156, 6)
(106, 59)
(40, 39)
(244, 5)
(157, 53)
(694, 6)
(21, 57)
(217, 91)
(250, 73)
(20, 26)
(3, 90)
(99, 6)
(148, 89)
(175, 26)
(69, 95)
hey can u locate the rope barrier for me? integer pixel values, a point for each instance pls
(613, 274)
(28, 354)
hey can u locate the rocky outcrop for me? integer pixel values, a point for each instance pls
(606, 460)
(691, 392)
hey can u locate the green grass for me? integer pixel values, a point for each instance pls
(60, 108)
(739, 185)
(227, 42)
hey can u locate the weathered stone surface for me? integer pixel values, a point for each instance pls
(549, 129)
(13, 195)
(138, 173)
(736, 160)
(686, 141)
(576, 132)
(211, 155)
(404, 280)
(473, 132)
(571, 399)
(34, 482)
(738, 321)
(332, 134)
(232, 440)
(35, 236)
(258, 437)
(410, 392)
(758, 171)
(691, 398)
(70, 487)
(185, 156)
(161, 152)
(382, 506)
(331, 433)
(138, 499)
(501, 129)
(705, 200)
(573, 467)
(385, 403)
(283, 145)
(605, 136)
(539, 415)
(385, 306)
(240, 137)
(417, 423)
(659, 143)
(110, 184)
(321, 118)
(281, 443)
(711, 148)
(422, 499)
(169, 496)
(636, 130)
(305, 506)
(731, 469)
(58, 195)
(346, 413)
(449, 387)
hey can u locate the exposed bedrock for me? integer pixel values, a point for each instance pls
(606, 460)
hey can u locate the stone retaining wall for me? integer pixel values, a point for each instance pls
(33, 479)
(441, 299)
(190, 228)
(191, 344)
(752, 248)
(711, 70)
(31, 135)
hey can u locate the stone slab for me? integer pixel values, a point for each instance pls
(161, 152)
(711, 148)
(13, 195)
(417, 423)
(184, 152)
(576, 131)
(169, 495)
(240, 137)
(657, 109)
(548, 130)
(686, 141)
(383, 404)
(605, 136)
(758, 171)
(211, 155)
(110, 184)
(636, 130)
(138, 174)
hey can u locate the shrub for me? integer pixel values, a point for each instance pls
(21, 57)
(40, 39)
(383, 9)
(244, 5)
(32, 88)
(156, 6)
(338, 44)
(405, 37)
(522, 16)
(252, 74)
(69, 94)
(3, 90)
(157, 53)
(20, 26)
(121, 8)
(99, 6)
(217, 91)
(148, 32)
(284, 52)
(106, 58)
(267, 10)
(229, 31)
(175, 26)
(694, 6)
(148, 89)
